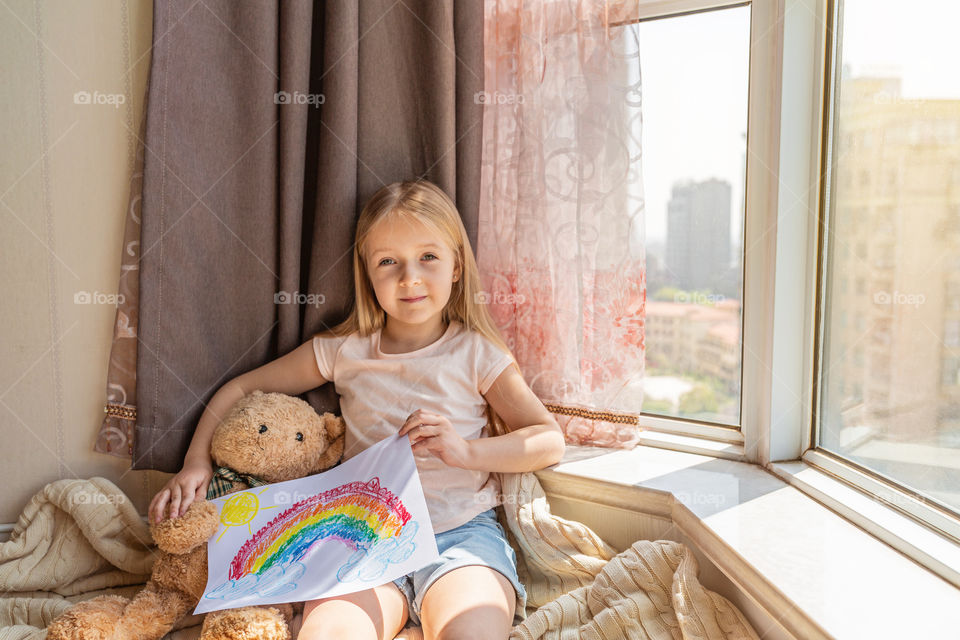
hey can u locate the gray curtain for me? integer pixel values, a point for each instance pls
(269, 124)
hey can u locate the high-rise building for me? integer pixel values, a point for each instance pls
(698, 234)
(894, 302)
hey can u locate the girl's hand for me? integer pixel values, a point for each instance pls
(431, 432)
(181, 490)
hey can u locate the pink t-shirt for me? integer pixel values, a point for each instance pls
(378, 391)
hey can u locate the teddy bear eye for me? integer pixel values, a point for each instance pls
(263, 428)
(299, 437)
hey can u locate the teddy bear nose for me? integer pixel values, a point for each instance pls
(263, 428)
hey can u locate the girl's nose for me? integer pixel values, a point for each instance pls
(410, 277)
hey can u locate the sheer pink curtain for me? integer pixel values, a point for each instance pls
(560, 238)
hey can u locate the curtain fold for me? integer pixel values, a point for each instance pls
(115, 436)
(268, 126)
(561, 207)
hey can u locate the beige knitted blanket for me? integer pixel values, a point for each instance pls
(578, 587)
(75, 539)
(80, 538)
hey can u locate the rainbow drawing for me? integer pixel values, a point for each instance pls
(359, 514)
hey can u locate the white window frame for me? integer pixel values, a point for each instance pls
(751, 441)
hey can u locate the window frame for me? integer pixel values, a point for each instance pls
(787, 192)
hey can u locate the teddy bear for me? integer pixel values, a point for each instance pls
(265, 438)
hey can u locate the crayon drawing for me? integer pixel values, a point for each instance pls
(339, 535)
(239, 509)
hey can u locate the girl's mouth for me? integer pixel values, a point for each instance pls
(413, 299)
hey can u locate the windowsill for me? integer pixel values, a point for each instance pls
(815, 572)
(690, 444)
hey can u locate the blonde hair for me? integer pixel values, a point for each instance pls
(424, 202)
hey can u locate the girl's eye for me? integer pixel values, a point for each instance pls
(386, 261)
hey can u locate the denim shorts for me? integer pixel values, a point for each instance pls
(481, 541)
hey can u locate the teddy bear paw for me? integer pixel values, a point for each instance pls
(181, 535)
(93, 619)
(246, 623)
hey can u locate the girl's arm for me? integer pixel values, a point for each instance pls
(535, 440)
(291, 374)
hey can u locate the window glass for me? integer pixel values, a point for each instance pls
(695, 72)
(890, 381)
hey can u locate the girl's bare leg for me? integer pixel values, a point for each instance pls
(374, 614)
(469, 602)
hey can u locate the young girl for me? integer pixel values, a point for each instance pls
(419, 354)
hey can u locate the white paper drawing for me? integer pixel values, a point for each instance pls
(356, 526)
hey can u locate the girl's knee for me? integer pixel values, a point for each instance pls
(375, 614)
(325, 619)
(469, 602)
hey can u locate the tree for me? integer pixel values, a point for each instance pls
(700, 399)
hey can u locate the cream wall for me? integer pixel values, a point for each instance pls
(64, 173)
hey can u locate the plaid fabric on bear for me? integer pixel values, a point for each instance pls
(224, 479)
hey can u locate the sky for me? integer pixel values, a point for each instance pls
(920, 44)
(695, 76)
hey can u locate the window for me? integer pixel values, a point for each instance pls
(894, 114)
(695, 71)
(825, 328)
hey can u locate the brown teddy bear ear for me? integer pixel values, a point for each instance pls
(334, 425)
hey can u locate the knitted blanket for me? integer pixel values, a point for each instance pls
(75, 539)
(81, 538)
(578, 587)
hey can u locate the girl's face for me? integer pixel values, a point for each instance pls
(412, 271)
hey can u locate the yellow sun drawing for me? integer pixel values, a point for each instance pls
(239, 510)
